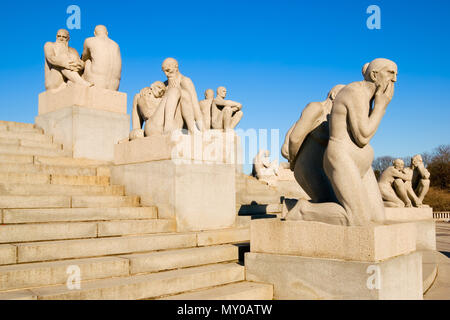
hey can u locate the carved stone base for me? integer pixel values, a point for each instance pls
(307, 278)
(84, 132)
(189, 186)
(422, 219)
(78, 96)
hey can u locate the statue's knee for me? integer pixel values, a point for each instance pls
(227, 111)
(399, 183)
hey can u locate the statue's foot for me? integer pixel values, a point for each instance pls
(296, 213)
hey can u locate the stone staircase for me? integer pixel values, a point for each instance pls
(59, 212)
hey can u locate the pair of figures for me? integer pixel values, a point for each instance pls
(402, 186)
(173, 105)
(219, 113)
(329, 151)
(100, 64)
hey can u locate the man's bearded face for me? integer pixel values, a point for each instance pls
(62, 37)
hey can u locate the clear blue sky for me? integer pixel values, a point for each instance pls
(273, 56)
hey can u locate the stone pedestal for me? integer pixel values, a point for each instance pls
(422, 219)
(312, 260)
(86, 121)
(189, 178)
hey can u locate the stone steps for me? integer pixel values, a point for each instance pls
(29, 143)
(244, 290)
(96, 247)
(16, 233)
(16, 216)
(30, 151)
(30, 136)
(181, 258)
(18, 127)
(46, 202)
(54, 189)
(147, 286)
(41, 178)
(40, 274)
(32, 168)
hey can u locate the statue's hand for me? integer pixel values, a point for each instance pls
(136, 134)
(384, 93)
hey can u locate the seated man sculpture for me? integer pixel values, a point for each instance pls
(225, 114)
(180, 95)
(205, 107)
(103, 63)
(264, 169)
(62, 63)
(392, 185)
(419, 183)
(146, 105)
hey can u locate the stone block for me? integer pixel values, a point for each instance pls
(408, 214)
(84, 132)
(422, 218)
(212, 146)
(79, 96)
(193, 188)
(306, 278)
(320, 240)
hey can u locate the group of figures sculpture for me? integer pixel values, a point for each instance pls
(173, 105)
(100, 64)
(327, 148)
(162, 108)
(405, 187)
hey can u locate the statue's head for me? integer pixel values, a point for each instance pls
(334, 91)
(62, 36)
(416, 160)
(209, 94)
(380, 71)
(100, 30)
(222, 92)
(170, 67)
(158, 89)
(399, 164)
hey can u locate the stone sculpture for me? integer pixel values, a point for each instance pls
(402, 186)
(355, 116)
(305, 145)
(264, 169)
(62, 63)
(225, 114)
(420, 181)
(205, 107)
(180, 94)
(146, 108)
(392, 185)
(103, 63)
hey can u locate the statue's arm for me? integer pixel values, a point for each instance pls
(302, 128)
(424, 173)
(364, 124)
(136, 119)
(189, 86)
(400, 175)
(53, 59)
(86, 52)
(285, 148)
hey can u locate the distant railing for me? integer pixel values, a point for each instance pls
(442, 216)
